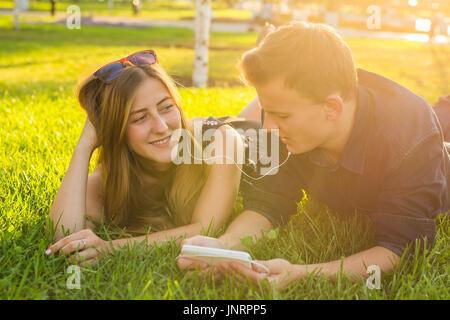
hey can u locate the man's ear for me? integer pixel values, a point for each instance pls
(334, 105)
(268, 28)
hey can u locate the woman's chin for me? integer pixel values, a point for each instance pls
(163, 158)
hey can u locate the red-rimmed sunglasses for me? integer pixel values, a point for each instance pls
(113, 69)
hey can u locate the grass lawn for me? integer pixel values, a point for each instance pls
(40, 123)
(161, 10)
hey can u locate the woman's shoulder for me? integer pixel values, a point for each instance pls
(95, 195)
(95, 180)
(98, 171)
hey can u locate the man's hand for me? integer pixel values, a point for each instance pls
(248, 223)
(190, 265)
(83, 247)
(282, 272)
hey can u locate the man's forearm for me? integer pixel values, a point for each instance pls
(354, 266)
(248, 223)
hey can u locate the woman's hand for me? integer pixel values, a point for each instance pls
(88, 137)
(83, 247)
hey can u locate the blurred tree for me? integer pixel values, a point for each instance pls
(202, 26)
(136, 5)
(334, 5)
(16, 13)
(331, 5)
(53, 7)
(362, 5)
(229, 3)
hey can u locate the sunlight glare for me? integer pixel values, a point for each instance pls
(423, 25)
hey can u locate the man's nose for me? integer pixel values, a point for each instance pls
(269, 123)
(159, 125)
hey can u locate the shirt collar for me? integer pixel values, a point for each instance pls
(354, 155)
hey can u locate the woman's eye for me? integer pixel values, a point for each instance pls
(166, 108)
(139, 119)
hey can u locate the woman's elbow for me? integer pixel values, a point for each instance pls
(252, 111)
(208, 226)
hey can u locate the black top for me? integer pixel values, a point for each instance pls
(395, 167)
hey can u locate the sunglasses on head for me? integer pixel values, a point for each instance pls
(113, 69)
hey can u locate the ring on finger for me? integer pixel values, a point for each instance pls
(83, 241)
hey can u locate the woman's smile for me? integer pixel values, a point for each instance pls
(161, 143)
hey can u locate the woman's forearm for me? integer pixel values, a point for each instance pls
(160, 237)
(69, 207)
(247, 224)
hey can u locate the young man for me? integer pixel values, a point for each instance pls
(357, 141)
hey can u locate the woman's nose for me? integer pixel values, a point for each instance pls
(159, 125)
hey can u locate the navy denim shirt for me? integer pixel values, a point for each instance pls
(442, 109)
(395, 167)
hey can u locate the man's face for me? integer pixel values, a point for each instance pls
(302, 124)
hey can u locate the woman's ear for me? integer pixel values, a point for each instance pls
(334, 105)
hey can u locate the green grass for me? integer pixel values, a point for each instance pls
(161, 10)
(40, 123)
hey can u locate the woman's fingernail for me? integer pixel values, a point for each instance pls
(48, 252)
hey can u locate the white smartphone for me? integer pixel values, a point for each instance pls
(215, 256)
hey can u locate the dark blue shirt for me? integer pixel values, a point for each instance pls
(395, 167)
(442, 109)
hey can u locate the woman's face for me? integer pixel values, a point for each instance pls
(153, 118)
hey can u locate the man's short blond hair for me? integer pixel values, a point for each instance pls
(311, 58)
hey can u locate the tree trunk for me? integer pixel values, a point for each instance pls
(202, 26)
(53, 7)
(16, 15)
(136, 7)
(110, 5)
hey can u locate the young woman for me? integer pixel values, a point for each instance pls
(133, 114)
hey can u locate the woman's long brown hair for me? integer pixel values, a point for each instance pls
(129, 200)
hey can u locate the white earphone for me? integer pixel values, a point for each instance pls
(237, 165)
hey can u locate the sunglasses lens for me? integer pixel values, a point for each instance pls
(142, 58)
(109, 72)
